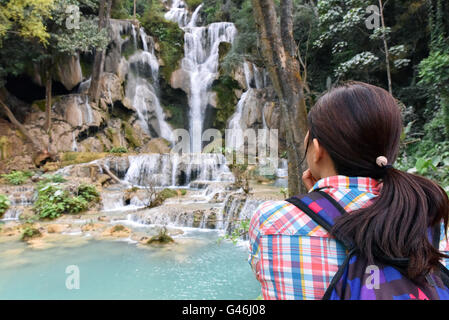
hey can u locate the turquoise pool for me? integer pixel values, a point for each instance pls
(197, 267)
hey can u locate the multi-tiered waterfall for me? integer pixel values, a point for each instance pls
(201, 44)
(142, 88)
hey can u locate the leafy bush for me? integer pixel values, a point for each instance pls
(76, 204)
(4, 204)
(53, 201)
(88, 193)
(118, 228)
(118, 150)
(57, 178)
(50, 201)
(168, 193)
(17, 177)
(29, 233)
(169, 35)
(161, 238)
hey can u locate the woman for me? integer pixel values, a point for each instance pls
(352, 144)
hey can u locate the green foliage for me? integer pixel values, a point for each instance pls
(226, 100)
(130, 136)
(76, 204)
(161, 238)
(240, 231)
(56, 178)
(434, 70)
(169, 36)
(434, 74)
(118, 150)
(26, 18)
(175, 115)
(192, 4)
(168, 193)
(284, 192)
(88, 192)
(118, 228)
(17, 177)
(30, 233)
(4, 204)
(53, 200)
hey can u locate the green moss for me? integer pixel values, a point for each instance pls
(170, 37)
(161, 238)
(168, 193)
(226, 100)
(30, 233)
(86, 68)
(175, 116)
(193, 4)
(128, 50)
(69, 158)
(130, 136)
(118, 228)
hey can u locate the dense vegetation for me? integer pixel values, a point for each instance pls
(334, 45)
(54, 199)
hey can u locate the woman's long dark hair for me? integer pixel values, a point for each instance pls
(356, 123)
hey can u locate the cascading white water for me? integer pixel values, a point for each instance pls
(254, 80)
(200, 62)
(74, 144)
(163, 170)
(282, 171)
(19, 197)
(141, 89)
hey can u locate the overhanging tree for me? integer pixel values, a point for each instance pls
(279, 52)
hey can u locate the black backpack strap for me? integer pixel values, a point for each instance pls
(324, 218)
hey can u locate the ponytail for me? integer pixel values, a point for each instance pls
(359, 124)
(396, 224)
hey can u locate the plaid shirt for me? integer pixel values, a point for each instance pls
(291, 255)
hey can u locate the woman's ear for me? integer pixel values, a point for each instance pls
(317, 151)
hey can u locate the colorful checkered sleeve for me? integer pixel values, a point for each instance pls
(291, 255)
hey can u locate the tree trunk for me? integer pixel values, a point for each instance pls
(387, 52)
(48, 86)
(36, 145)
(279, 50)
(97, 69)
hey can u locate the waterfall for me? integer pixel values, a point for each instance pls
(200, 62)
(178, 13)
(254, 80)
(282, 170)
(133, 33)
(142, 87)
(74, 144)
(112, 201)
(19, 197)
(165, 170)
(12, 214)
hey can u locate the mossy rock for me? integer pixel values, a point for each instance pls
(68, 158)
(130, 135)
(170, 38)
(226, 100)
(161, 238)
(30, 233)
(193, 4)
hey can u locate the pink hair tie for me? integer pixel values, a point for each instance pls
(381, 161)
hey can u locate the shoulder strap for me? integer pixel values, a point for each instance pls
(323, 209)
